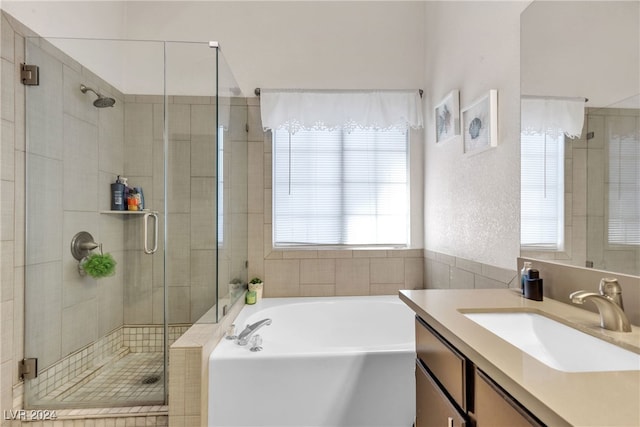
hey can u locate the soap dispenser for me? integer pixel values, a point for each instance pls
(533, 285)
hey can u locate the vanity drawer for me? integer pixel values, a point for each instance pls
(433, 407)
(444, 361)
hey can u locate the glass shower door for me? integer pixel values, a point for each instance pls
(96, 329)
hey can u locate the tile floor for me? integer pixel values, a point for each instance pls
(135, 378)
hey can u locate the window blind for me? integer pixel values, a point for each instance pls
(624, 180)
(340, 188)
(542, 191)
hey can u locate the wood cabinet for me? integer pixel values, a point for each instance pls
(435, 408)
(494, 407)
(452, 392)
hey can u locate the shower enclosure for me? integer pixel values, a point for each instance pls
(168, 117)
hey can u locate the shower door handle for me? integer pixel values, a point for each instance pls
(147, 215)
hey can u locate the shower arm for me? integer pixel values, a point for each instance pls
(84, 89)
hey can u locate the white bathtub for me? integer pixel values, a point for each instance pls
(340, 361)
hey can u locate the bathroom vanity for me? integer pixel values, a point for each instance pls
(467, 375)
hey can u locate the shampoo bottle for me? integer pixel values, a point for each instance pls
(117, 195)
(140, 196)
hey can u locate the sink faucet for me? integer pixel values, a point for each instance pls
(609, 304)
(245, 335)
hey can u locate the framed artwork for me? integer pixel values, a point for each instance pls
(480, 124)
(447, 117)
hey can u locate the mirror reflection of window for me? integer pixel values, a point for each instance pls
(623, 135)
(545, 121)
(542, 191)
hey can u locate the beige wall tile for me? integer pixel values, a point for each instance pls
(335, 254)
(282, 278)
(7, 157)
(45, 335)
(414, 273)
(292, 254)
(482, 282)
(378, 253)
(6, 270)
(317, 271)
(468, 265)
(439, 275)
(6, 211)
(386, 288)
(317, 290)
(352, 276)
(461, 279)
(387, 270)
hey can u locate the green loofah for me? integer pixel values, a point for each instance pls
(98, 265)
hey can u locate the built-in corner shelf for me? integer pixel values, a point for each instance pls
(142, 212)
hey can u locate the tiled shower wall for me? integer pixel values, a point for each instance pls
(288, 273)
(192, 190)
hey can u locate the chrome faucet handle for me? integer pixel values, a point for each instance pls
(610, 287)
(256, 343)
(231, 332)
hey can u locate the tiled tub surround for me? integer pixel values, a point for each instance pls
(112, 370)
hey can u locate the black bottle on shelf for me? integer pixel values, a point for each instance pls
(118, 202)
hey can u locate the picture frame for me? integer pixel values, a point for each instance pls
(480, 124)
(447, 117)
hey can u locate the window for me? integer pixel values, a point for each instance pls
(542, 191)
(624, 181)
(340, 188)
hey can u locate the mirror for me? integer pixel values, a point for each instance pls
(591, 50)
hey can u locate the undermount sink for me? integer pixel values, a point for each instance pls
(555, 344)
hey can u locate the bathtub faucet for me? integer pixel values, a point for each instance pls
(245, 335)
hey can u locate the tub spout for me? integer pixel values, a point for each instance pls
(248, 332)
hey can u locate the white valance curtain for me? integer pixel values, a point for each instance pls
(552, 116)
(331, 110)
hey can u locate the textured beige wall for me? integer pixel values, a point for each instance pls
(472, 202)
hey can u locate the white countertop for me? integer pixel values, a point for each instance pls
(602, 399)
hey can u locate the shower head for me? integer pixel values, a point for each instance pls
(102, 101)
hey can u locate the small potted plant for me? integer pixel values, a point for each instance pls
(256, 284)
